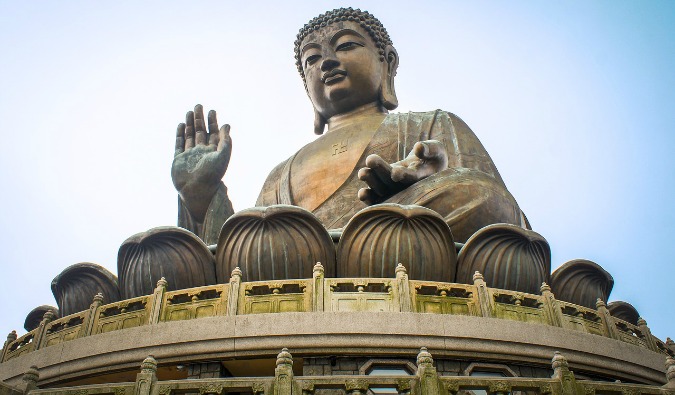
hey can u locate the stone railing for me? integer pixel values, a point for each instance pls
(425, 381)
(319, 294)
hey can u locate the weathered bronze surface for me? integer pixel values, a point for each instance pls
(273, 243)
(367, 156)
(164, 252)
(624, 311)
(34, 318)
(77, 284)
(582, 282)
(380, 237)
(509, 257)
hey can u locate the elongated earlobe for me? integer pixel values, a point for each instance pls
(387, 91)
(319, 123)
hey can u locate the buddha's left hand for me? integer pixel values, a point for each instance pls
(384, 179)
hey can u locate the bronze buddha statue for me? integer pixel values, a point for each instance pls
(365, 156)
(435, 180)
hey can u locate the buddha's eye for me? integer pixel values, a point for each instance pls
(349, 45)
(312, 59)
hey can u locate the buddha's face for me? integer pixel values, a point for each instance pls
(342, 68)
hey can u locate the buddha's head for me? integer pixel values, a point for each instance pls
(346, 60)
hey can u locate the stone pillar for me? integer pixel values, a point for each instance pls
(157, 301)
(670, 344)
(562, 373)
(29, 380)
(41, 330)
(11, 337)
(647, 333)
(607, 320)
(403, 289)
(90, 317)
(283, 374)
(485, 302)
(233, 294)
(427, 375)
(317, 287)
(552, 306)
(670, 373)
(146, 379)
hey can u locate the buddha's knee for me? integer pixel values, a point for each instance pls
(467, 199)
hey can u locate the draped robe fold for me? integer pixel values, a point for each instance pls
(469, 194)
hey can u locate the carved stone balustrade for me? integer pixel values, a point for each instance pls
(320, 294)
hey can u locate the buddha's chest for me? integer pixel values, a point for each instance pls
(321, 167)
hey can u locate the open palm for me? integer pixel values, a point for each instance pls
(200, 160)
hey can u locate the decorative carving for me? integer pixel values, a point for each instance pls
(452, 387)
(258, 388)
(624, 311)
(499, 387)
(149, 365)
(508, 256)
(170, 252)
(74, 288)
(274, 243)
(34, 318)
(424, 358)
(581, 282)
(379, 237)
(403, 385)
(211, 388)
(284, 357)
(165, 389)
(31, 376)
(356, 386)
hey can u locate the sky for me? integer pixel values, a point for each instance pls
(574, 101)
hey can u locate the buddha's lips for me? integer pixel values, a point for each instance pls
(333, 75)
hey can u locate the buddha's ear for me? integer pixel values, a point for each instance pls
(387, 91)
(319, 123)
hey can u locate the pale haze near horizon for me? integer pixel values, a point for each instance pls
(573, 100)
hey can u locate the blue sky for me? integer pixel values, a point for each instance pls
(575, 101)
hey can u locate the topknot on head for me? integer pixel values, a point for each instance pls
(367, 21)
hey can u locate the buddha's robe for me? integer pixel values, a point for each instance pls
(469, 194)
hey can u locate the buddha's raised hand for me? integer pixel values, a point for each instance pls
(384, 179)
(200, 161)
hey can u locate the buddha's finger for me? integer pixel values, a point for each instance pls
(224, 140)
(213, 128)
(405, 175)
(381, 168)
(200, 127)
(189, 130)
(180, 139)
(369, 176)
(431, 150)
(367, 196)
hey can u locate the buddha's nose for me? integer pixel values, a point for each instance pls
(329, 62)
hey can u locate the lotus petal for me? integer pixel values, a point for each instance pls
(624, 311)
(508, 257)
(277, 242)
(174, 253)
(581, 282)
(34, 318)
(379, 237)
(74, 289)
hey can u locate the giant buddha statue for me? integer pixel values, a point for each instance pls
(377, 194)
(364, 154)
